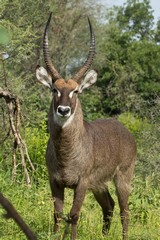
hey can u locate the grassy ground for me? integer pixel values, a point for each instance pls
(35, 205)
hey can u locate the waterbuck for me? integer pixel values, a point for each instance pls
(84, 155)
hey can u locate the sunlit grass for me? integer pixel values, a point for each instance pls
(36, 206)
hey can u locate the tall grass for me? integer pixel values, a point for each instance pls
(34, 203)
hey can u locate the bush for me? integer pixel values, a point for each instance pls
(148, 153)
(36, 140)
(147, 136)
(133, 123)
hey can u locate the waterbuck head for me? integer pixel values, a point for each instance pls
(65, 92)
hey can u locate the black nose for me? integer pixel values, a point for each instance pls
(63, 111)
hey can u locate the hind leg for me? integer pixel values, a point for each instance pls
(122, 182)
(107, 204)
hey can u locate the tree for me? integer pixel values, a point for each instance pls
(157, 33)
(137, 18)
(132, 56)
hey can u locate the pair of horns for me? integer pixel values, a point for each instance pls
(77, 77)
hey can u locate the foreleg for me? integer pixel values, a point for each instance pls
(79, 195)
(58, 198)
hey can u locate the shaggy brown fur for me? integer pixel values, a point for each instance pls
(86, 155)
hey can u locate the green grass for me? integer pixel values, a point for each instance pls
(35, 205)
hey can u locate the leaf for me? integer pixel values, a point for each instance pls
(4, 36)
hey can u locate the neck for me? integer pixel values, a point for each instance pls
(74, 124)
(67, 139)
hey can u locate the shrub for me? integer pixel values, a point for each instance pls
(134, 123)
(36, 140)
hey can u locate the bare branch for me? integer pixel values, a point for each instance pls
(13, 105)
(12, 213)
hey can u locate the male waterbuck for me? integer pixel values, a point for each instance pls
(84, 155)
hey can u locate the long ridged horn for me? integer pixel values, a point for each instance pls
(47, 58)
(78, 76)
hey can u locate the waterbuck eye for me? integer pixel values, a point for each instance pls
(73, 93)
(54, 90)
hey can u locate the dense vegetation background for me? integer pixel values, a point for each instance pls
(128, 62)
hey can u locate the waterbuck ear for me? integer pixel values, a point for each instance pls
(89, 79)
(43, 77)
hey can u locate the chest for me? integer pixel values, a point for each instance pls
(66, 167)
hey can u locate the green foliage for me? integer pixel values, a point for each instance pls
(157, 33)
(148, 153)
(91, 104)
(146, 196)
(137, 18)
(133, 123)
(4, 36)
(147, 136)
(130, 72)
(36, 140)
